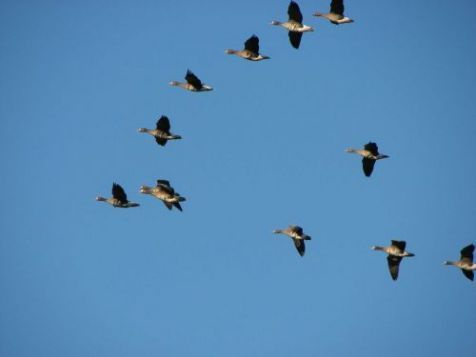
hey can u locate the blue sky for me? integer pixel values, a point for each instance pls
(264, 150)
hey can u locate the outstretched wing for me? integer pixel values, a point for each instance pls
(177, 205)
(167, 204)
(252, 44)
(163, 124)
(301, 248)
(163, 183)
(368, 166)
(400, 244)
(119, 193)
(337, 7)
(467, 253)
(393, 265)
(295, 38)
(193, 80)
(160, 141)
(468, 273)
(372, 147)
(294, 12)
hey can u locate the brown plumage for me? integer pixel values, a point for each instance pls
(118, 199)
(396, 252)
(296, 233)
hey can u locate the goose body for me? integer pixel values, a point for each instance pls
(193, 83)
(118, 199)
(466, 262)
(294, 25)
(396, 252)
(369, 155)
(250, 51)
(164, 192)
(161, 133)
(296, 233)
(336, 13)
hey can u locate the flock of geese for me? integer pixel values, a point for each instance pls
(370, 154)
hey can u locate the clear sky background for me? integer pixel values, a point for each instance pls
(264, 150)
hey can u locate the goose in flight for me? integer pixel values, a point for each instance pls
(161, 133)
(118, 199)
(466, 262)
(250, 51)
(396, 252)
(336, 14)
(193, 84)
(297, 235)
(294, 25)
(164, 192)
(370, 154)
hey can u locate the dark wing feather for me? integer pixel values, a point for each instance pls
(337, 7)
(295, 38)
(193, 80)
(294, 12)
(177, 205)
(368, 166)
(119, 193)
(252, 44)
(393, 265)
(301, 248)
(298, 230)
(467, 252)
(163, 124)
(168, 205)
(163, 183)
(468, 273)
(372, 147)
(161, 141)
(400, 244)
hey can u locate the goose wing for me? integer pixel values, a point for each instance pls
(300, 246)
(119, 193)
(294, 12)
(163, 183)
(337, 7)
(252, 44)
(368, 166)
(163, 124)
(193, 80)
(296, 229)
(372, 147)
(295, 38)
(160, 141)
(467, 253)
(177, 205)
(400, 244)
(393, 265)
(468, 273)
(167, 204)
